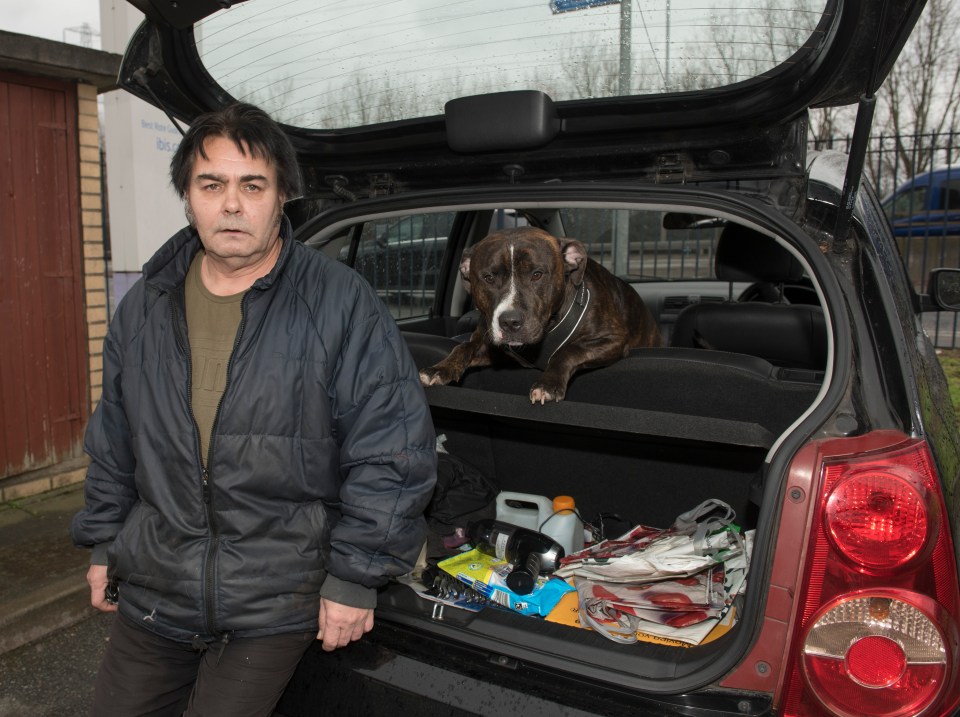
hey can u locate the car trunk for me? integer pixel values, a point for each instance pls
(638, 442)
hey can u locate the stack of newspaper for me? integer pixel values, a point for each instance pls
(676, 584)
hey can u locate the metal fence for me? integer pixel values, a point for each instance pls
(918, 179)
(892, 160)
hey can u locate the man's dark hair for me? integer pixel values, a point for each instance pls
(251, 129)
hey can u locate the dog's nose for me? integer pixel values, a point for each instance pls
(510, 321)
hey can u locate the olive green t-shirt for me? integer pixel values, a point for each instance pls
(212, 324)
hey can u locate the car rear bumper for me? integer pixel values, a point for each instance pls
(394, 671)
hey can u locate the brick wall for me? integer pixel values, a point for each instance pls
(94, 267)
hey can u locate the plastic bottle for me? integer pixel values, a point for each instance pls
(529, 552)
(564, 524)
(524, 509)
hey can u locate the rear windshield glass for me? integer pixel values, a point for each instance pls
(334, 65)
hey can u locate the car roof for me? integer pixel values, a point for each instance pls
(387, 96)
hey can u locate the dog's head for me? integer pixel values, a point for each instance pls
(518, 279)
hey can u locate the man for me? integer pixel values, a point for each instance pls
(262, 453)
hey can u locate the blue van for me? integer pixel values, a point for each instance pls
(927, 205)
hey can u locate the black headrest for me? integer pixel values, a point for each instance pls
(744, 254)
(793, 335)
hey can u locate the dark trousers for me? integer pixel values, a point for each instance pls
(145, 674)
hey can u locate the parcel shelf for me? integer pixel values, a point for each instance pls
(608, 420)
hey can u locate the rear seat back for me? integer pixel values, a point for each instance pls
(789, 335)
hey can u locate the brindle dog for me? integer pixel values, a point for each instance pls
(544, 302)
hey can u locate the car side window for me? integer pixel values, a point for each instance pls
(950, 196)
(645, 244)
(401, 258)
(909, 203)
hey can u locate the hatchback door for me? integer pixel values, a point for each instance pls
(391, 97)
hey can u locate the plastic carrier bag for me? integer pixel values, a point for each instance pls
(675, 583)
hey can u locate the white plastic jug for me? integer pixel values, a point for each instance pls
(556, 518)
(524, 509)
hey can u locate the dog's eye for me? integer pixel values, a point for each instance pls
(536, 275)
(488, 278)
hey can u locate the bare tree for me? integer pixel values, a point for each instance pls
(590, 71)
(831, 127)
(918, 104)
(920, 99)
(741, 52)
(747, 44)
(272, 96)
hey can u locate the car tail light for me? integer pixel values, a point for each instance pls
(879, 598)
(875, 654)
(881, 519)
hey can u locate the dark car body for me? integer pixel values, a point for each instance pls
(816, 407)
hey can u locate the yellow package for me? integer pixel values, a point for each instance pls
(486, 574)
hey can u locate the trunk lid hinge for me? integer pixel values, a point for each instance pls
(670, 169)
(381, 184)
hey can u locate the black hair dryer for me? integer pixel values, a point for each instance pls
(529, 552)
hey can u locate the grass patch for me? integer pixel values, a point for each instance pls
(950, 360)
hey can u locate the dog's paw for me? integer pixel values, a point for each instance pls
(541, 393)
(432, 377)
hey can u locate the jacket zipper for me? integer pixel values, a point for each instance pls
(206, 480)
(210, 575)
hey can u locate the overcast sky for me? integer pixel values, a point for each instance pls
(59, 20)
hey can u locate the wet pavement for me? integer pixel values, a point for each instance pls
(53, 677)
(51, 640)
(42, 575)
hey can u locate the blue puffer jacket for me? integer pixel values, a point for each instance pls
(321, 461)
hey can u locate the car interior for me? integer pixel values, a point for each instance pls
(766, 325)
(745, 348)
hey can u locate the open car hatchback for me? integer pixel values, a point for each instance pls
(795, 383)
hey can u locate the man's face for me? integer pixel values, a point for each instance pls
(234, 203)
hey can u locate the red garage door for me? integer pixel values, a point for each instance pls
(43, 359)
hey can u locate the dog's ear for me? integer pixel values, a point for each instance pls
(574, 259)
(465, 268)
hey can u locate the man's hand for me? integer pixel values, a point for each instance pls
(97, 580)
(341, 624)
